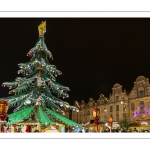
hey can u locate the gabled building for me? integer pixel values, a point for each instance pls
(133, 106)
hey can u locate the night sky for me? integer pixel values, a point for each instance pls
(92, 53)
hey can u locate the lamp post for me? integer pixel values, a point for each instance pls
(125, 111)
(110, 120)
(96, 114)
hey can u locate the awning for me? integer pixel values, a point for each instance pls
(29, 123)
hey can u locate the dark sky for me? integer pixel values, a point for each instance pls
(92, 53)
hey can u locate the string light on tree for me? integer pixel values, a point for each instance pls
(34, 93)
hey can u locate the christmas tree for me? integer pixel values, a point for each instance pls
(38, 92)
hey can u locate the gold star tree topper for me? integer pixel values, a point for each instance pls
(42, 28)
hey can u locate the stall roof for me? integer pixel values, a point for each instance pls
(29, 122)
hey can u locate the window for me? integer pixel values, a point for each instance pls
(124, 108)
(88, 112)
(117, 99)
(134, 95)
(73, 114)
(117, 117)
(132, 106)
(78, 120)
(141, 93)
(141, 103)
(148, 92)
(98, 103)
(111, 109)
(105, 101)
(132, 113)
(105, 117)
(105, 109)
(124, 116)
(117, 107)
(91, 105)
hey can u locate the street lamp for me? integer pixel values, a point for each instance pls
(110, 120)
(96, 114)
(125, 111)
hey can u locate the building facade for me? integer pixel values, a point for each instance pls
(133, 106)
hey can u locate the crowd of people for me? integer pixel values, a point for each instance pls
(126, 130)
(18, 129)
(107, 130)
(27, 129)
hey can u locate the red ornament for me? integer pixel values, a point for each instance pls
(28, 128)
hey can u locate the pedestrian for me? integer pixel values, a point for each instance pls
(36, 131)
(123, 130)
(116, 130)
(135, 130)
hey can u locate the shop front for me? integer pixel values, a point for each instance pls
(26, 126)
(92, 127)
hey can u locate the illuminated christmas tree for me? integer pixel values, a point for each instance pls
(38, 92)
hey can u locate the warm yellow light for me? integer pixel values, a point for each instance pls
(67, 106)
(122, 102)
(28, 102)
(105, 110)
(42, 28)
(94, 113)
(25, 103)
(98, 113)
